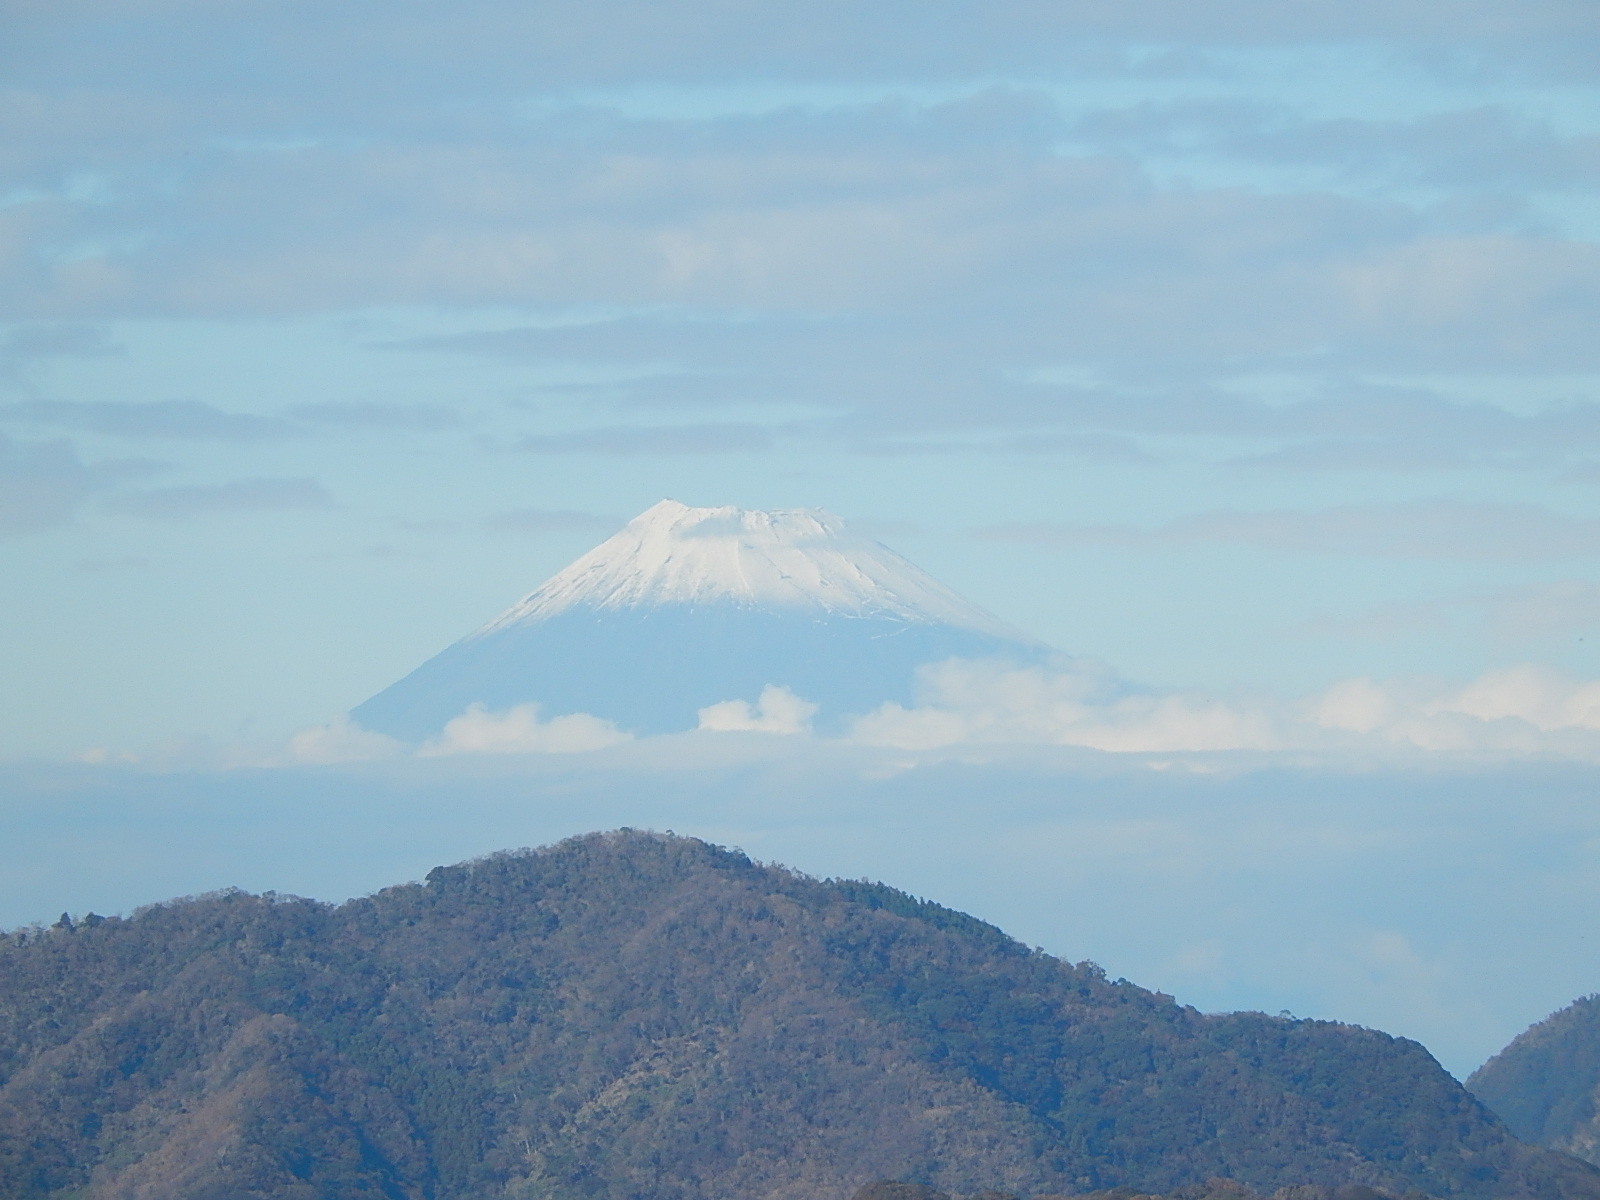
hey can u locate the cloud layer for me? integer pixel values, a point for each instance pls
(1518, 712)
(520, 731)
(1145, 285)
(776, 710)
(1039, 229)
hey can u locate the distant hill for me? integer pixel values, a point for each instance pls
(629, 1016)
(1546, 1084)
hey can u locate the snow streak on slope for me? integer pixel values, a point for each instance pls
(790, 559)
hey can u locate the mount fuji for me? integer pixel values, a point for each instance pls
(689, 608)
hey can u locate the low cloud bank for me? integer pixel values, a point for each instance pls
(1511, 712)
(777, 710)
(340, 741)
(1524, 709)
(1518, 710)
(519, 730)
(966, 701)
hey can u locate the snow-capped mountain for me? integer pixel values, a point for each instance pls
(686, 608)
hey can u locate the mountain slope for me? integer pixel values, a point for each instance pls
(1546, 1084)
(689, 607)
(798, 559)
(635, 1016)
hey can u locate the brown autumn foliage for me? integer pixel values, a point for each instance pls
(635, 1017)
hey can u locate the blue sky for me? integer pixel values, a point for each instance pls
(1239, 347)
(1247, 347)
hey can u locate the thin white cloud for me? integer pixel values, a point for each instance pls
(999, 711)
(967, 702)
(966, 204)
(1513, 712)
(1520, 710)
(1539, 696)
(519, 730)
(340, 741)
(777, 710)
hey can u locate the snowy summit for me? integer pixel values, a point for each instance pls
(689, 609)
(800, 558)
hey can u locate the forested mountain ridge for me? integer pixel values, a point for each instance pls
(1546, 1084)
(636, 1016)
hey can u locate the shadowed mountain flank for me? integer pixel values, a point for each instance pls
(1546, 1084)
(629, 1016)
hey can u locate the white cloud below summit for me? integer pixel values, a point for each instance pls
(1512, 712)
(519, 730)
(1507, 712)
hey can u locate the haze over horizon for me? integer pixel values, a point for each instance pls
(1243, 353)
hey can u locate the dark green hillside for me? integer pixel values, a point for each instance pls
(633, 1017)
(1546, 1084)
